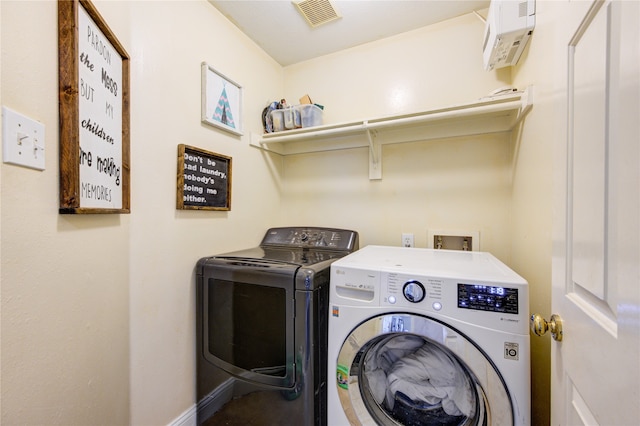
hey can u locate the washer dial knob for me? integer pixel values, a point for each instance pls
(413, 291)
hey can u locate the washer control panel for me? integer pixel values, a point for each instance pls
(404, 290)
(413, 291)
(470, 287)
(427, 293)
(490, 298)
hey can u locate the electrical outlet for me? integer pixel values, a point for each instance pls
(407, 240)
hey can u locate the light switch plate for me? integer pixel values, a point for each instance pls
(22, 140)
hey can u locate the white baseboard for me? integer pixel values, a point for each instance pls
(206, 406)
(188, 418)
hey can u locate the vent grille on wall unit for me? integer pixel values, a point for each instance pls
(317, 12)
(522, 9)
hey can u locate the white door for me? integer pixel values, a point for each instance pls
(595, 369)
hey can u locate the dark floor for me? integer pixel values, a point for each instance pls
(255, 409)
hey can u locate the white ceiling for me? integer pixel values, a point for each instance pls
(278, 27)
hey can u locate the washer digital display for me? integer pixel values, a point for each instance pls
(481, 297)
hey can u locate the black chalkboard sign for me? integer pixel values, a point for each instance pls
(204, 180)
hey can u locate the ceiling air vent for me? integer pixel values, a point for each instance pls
(317, 12)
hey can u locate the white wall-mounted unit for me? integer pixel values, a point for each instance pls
(507, 31)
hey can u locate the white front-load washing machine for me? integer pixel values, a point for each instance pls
(427, 337)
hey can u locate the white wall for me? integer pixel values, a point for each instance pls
(167, 52)
(65, 307)
(452, 184)
(435, 66)
(499, 185)
(455, 184)
(98, 310)
(533, 190)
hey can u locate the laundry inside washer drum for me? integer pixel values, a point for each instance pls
(417, 381)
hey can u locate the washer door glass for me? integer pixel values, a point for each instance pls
(402, 369)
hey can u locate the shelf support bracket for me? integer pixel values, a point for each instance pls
(375, 155)
(526, 105)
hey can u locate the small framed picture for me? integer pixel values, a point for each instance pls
(221, 101)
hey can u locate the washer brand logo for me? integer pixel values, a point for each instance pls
(339, 272)
(509, 319)
(511, 351)
(335, 311)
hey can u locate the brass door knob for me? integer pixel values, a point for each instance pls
(539, 326)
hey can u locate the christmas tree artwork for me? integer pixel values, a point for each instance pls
(223, 110)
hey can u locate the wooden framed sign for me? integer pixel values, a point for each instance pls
(94, 113)
(204, 180)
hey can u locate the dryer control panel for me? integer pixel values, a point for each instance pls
(309, 237)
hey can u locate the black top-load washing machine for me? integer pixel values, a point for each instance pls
(261, 322)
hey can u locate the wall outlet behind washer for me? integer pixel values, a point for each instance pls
(407, 240)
